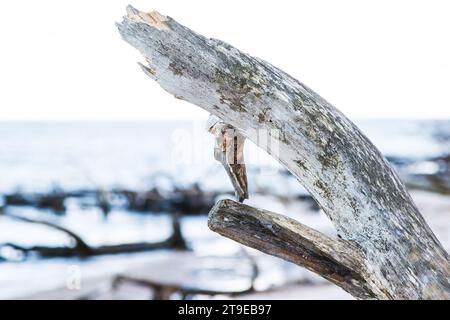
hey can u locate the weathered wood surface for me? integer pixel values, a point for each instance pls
(345, 173)
(337, 260)
(229, 151)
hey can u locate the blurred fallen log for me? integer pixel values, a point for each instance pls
(165, 290)
(190, 200)
(187, 201)
(428, 182)
(385, 235)
(204, 274)
(429, 174)
(81, 249)
(52, 200)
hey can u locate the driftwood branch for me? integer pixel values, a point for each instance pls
(337, 260)
(344, 172)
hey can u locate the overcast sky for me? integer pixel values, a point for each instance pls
(62, 60)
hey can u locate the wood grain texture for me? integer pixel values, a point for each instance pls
(339, 261)
(344, 172)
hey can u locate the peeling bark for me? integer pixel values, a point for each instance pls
(344, 172)
(229, 151)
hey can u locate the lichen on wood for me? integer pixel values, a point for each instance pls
(344, 172)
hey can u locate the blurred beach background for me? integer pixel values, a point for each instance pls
(64, 173)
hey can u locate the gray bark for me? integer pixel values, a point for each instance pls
(345, 173)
